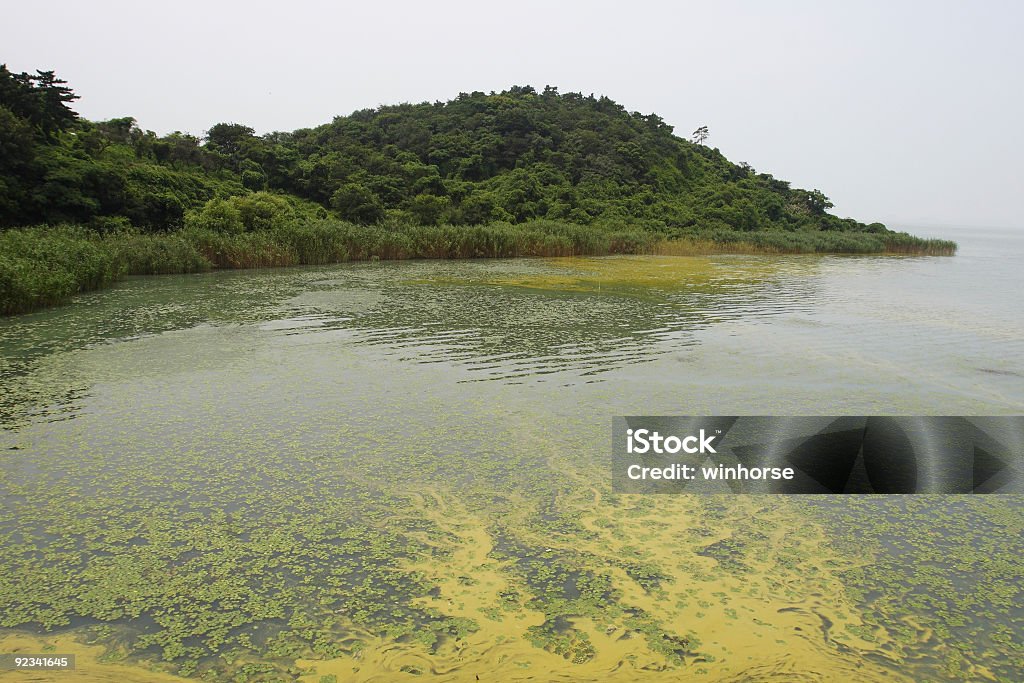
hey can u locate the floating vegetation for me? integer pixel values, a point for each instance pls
(939, 578)
(225, 480)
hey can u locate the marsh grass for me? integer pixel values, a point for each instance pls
(903, 243)
(245, 250)
(803, 242)
(704, 247)
(156, 254)
(44, 266)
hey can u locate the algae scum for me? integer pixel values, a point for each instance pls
(379, 472)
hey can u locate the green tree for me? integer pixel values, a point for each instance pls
(178, 149)
(817, 202)
(42, 100)
(218, 215)
(357, 203)
(56, 115)
(16, 147)
(428, 209)
(229, 138)
(263, 211)
(253, 176)
(511, 156)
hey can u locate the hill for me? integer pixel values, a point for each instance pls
(519, 172)
(511, 156)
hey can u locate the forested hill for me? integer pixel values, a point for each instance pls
(511, 156)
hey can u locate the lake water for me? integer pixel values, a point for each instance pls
(382, 469)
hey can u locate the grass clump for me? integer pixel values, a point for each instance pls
(242, 250)
(44, 266)
(160, 254)
(904, 243)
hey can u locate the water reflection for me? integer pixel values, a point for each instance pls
(513, 320)
(39, 375)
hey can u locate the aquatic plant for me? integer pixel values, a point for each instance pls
(44, 266)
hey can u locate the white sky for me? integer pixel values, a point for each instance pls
(904, 112)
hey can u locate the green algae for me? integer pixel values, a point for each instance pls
(229, 486)
(940, 568)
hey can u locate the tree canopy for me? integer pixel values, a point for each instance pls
(513, 156)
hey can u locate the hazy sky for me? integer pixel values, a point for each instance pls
(907, 112)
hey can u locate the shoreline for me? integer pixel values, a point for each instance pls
(46, 266)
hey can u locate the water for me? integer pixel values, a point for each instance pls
(310, 462)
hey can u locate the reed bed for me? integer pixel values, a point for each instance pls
(904, 243)
(44, 266)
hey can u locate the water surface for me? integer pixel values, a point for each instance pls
(400, 468)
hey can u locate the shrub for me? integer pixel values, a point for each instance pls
(218, 215)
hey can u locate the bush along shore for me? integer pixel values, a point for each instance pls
(46, 265)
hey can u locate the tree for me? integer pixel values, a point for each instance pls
(178, 148)
(16, 148)
(263, 211)
(512, 156)
(42, 100)
(817, 202)
(253, 176)
(229, 138)
(219, 215)
(357, 203)
(119, 131)
(56, 115)
(16, 155)
(428, 209)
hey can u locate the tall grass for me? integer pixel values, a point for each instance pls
(156, 254)
(695, 246)
(245, 250)
(44, 266)
(495, 240)
(903, 243)
(804, 242)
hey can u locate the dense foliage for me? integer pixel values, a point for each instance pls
(511, 156)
